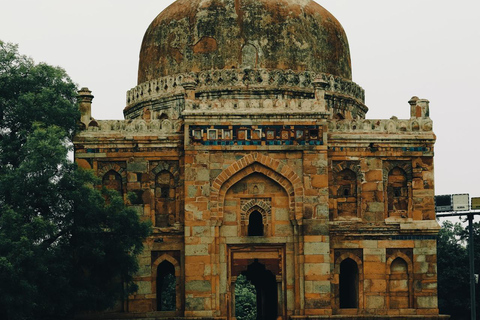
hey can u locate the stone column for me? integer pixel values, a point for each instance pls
(320, 85)
(419, 108)
(85, 98)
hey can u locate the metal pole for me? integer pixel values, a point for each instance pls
(471, 258)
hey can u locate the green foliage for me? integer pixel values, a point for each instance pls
(168, 293)
(245, 299)
(453, 269)
(62, 248)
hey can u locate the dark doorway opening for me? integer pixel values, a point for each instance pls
(166, 287)
(255, 224)
(266, 290)
(348, 284)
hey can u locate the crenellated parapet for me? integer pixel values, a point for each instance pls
(229, 84)
(391, 126)
(136, 127)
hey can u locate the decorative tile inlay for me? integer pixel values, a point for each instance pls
(256, 135)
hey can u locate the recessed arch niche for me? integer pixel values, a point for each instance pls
(256, 205)
(272, 168)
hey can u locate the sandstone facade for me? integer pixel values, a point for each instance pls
(272, 173)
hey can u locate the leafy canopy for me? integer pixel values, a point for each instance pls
(63, 249)
(453, 269)
(245, 299)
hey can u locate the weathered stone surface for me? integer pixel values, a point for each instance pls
(198, 286)
(228, 37)
(316, 248)
(137, 166)
(247, 143)
(196, 250)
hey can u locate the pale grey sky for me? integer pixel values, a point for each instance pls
(426, 48)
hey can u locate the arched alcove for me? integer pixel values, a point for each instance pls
(256, 206)
(258, 163)
(399, 284)
(346, 183)
(112, 180)
(164, 198)
(348, 284)
(397, 192)
(166, 287)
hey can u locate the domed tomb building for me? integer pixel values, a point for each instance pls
(247, 144)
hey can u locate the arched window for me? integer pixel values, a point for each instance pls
(348, 284)
(398, 285)
(164, 198)
(255, 224)
(166, 287)
(112, 181)
(346, 182)
(397, 192)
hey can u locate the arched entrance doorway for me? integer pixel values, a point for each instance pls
(266, 293)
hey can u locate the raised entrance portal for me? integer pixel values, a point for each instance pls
(261, 268)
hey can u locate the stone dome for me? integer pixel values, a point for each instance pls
(198, 35)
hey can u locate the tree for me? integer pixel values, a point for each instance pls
(245, 299)
(63, 249)
(453, 269)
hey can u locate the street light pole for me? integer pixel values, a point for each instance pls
(471, 258)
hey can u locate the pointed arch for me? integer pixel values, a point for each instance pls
(271, 168)
(404, 257)
(354, 166)
(348, 259)
(115, 167)
(162, 267)
(398, 192)
(345, 181)
(165, 198)
(399, 281)
(348, 284)
(165, 166)
(406, 166)
(263, 206)
(113, 181)
(169, 258)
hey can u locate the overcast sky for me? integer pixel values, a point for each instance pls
(399, 49)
